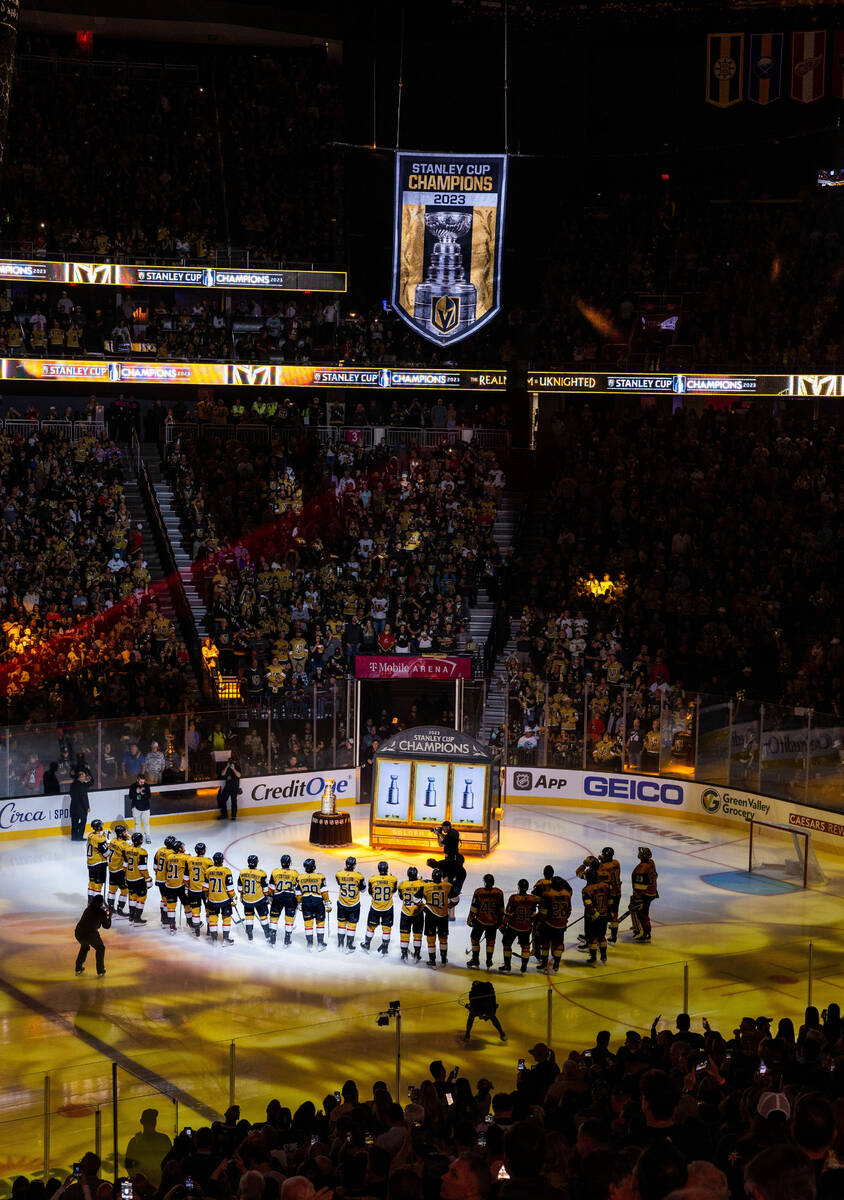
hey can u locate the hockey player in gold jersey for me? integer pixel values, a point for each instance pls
(159, 866)
(313, 891)
(412, 914)
(197, 864)
(117, 847)
(137, 878)
(254, 889)
(97, 858)
(352, 885)
(175, 882)
(284, 890)
(437, 899)
(219, 893)
(382, 888)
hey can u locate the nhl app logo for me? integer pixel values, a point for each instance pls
(710, 801)
(522, 781)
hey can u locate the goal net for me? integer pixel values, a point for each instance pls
(783, 852)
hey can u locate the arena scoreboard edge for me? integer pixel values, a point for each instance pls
(103, 274)
(269, 375)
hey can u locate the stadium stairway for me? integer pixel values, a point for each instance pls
(139, 515)
(169, 516)
(503, 529)
(496, 696)
(480, 618)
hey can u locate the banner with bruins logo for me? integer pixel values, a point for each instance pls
(724, 69)
(448, 224)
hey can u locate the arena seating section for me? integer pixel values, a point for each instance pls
(82, 633)
(699, 553)
(300, 555)
(676, 1114)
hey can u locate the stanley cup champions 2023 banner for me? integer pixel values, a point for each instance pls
(449, 216)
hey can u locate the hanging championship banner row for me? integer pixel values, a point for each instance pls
(774, 63)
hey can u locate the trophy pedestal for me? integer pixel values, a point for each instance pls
(331, 829)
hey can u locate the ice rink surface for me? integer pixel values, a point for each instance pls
(181, 1017)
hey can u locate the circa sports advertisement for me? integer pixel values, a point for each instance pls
(448, 224)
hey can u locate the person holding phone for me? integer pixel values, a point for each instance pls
(86, 1179)
(146, 1150)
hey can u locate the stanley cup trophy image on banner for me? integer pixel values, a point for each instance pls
(449, 214)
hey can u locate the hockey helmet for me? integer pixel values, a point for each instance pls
(645, 854)
(607, 854)
(199, 848)
(120, 830)
(137, 839)
(523, 886)
(412, 874)
(351, 862)
(179, 847)
(170, 841)
(309, 865)
(252, 861)
(489, 881)
(96, 824)
(383, 868)
(437, 875)
(218, 858)
(548, 872)
(285, 860)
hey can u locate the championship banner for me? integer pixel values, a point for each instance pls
(764, 79)
(837, 87)
(808, 66)
(448, 224)
(724, 69)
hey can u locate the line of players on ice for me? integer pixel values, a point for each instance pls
(534, 918)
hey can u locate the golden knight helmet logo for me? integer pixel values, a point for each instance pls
(446, 313)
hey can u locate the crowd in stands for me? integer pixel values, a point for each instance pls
(678, 554)
(678, 281)
(81, 631)
(677, 1114)
(211, 164)
(384, 554)
(184, 326)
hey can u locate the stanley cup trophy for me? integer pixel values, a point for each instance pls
(445, 302)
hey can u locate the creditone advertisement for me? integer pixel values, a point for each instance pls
(175, 275)
(526, 785)
(447, 235)
(262, 375)
(23, 816)
(412, 666)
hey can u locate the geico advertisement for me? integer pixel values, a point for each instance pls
(559, 783)
(29, 814)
